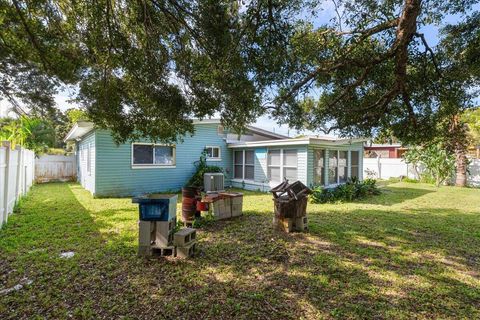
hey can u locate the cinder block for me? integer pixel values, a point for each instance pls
(145, 233)
(164, 251)
(187, 251)
(301, 224)
(144, 251)
(184, 237)
(237, 201)
(164, 232)
(236, 210)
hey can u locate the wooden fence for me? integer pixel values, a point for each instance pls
(55, 168)
(16, 177)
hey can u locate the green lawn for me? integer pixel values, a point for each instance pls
(413, 251)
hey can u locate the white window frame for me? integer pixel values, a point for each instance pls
(348, 166)
(243, 166)
(282, 166)
(153, 165)
(219, 158)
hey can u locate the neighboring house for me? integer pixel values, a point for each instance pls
(394, 150)
(256, 160)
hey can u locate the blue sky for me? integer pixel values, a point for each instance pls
(431, 34)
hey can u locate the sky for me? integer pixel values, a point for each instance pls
(431, 34)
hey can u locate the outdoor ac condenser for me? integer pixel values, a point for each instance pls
(213, 182)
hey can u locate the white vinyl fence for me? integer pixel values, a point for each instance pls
(55, 168)
(16, 177)
(385, 168)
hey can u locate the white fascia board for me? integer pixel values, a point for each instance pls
(78, 130)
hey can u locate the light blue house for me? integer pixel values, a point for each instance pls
(256, 160)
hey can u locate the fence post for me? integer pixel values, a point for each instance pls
(18, 189)
(6, 144)
(379, 166)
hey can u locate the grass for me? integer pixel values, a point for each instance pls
(412, 252)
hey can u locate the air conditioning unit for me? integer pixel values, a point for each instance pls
(213, 182)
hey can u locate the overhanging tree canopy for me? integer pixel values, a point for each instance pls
(145, 67)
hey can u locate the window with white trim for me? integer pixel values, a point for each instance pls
(319, 167)
(145, 155)
(213, 153)
(274, 165)
(281, 164)
(355, 161)
(244, 164)
(290, 165)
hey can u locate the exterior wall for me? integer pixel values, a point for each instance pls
(327, 148)
(116, 177)
(86, 179)
(260, 181)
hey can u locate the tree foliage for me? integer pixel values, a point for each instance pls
(436, 161)
(32, 133)
(145, 68)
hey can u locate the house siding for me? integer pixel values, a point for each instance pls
(87, 179)
(116, 177)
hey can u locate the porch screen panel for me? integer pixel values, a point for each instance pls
(354, 159)
(342, 166)
(238, 165)
(274, 165)
(249, 164)
(318, 167)
(332, 166)
(290, 165)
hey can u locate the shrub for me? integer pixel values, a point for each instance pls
(353, 189)
(201, 168)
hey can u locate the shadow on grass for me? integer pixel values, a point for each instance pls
(359, 264)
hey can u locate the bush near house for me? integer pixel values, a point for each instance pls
(353, 189)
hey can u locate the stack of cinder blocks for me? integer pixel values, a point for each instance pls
(185, 242)
(159, 238)
(299, 224)
(227, 205)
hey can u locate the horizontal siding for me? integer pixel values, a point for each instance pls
(115, 176)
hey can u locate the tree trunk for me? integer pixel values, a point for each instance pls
(461, 165)
(459, 145)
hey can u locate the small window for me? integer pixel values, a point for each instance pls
(213, 153)
(244, 164)
(153, 155)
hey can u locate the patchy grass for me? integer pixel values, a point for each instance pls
(412, 252)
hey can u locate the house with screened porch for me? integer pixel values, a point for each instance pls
(256, 160)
